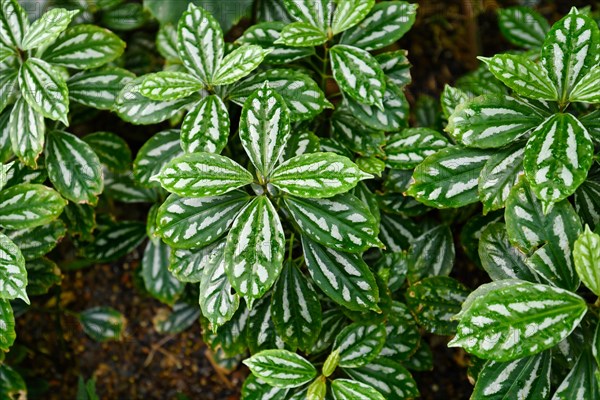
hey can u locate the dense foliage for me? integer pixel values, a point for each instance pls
(292, 207)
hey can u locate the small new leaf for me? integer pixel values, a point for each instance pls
(281, 368)
(47, 28)
(359, 343)
(586, 254)
(239, 64)
(169, 85)
(206, 127)
(44, 89)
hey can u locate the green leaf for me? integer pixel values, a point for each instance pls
(42, 274)
(493, 121)
(359, 343)
(189, 265)
(98, 88)
(206, 127)
(231, 337)
(395, 66)
(569, 51)
(317, 175)
(186, 223)
(524, 378)
(581, 381)
(302, 34)
(44, 89)
(449, 178)
(9, 83)
(431, 254)
(111, 149)
(407, 149)
(154, 155)
(27, 132)
(14, 22)
(392, 117)
(7, 327)
(343, 277)
(281, 368)
(388, 377)
(522, 75)
(217, 301)
(586, 89)
(352, 136)
(500, 173)
(346, 389)
(200, 43)
(29, 205)
(342, 222)
(84, 47)
(313, 12)
(81, 220)
(517, 320)
(451, 99)
(11, 382)
(116, 241)
(397, 233)
(266, 35)
(358, 74)
(239, 64)
(434, 302)
(158, 280)
(73, 168)
(301, 143)
(550, 235)
(102, 323)
(179, 320)
(202, 174)
(523, 26)
(169, 85)
(255, 389)
(402, 333)
(586, 254)
(304, 98)
(557, 158)
(261, 333)
(255, 249)
(47, 28)
(499, 258)
(386, 23)
(123, 188)
(349, 13)
(587, 198)
(264, 128)
(166, 43)
(13, 275)
(295, 309)
(38, 241)
(131, 106)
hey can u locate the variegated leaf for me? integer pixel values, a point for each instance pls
(332, 323)
(570, 50)
(500, 173)
(388, 377)
(44, 89)
(111, 149)
(586, 89)
(217, 301)
(188, 265)
(550, 236)
(349, 13)
(116, 241)
(281, 368)
(155, 154)
(393, 115)
(351, 136)
(522, 75)
(73, 168)
(131, 106)
(402, 333)
(187, 223)
(159, 281)
(343, 277)
(14, 22)
(302, 34)
(359, 343)
(46, 29)
(239, 64)
(408, 148)
(493, 121)
(397, 232)
(431, 254)
(9, 79)
(29, 205)
(557, 158)
(206, 127)
(359, 75)
(264, 129)
(261, 333)
(13, 275)
(523, 26)
(123, 188)
(317, 175)
(202, 174)
(586, 254)
(346, 389)
(587, 198)
(395, 66)
(525, 378)
(304, 98)
(18, 173)
(422, 360)
(301, 143)
(342, 222)
(200, 43)
(102, 323)
(36, 242)
(499, 258)
(231, 337)
(451, 99)
(42, 274)
(26, 129)
(449, 178)
(386, 23)
(581, 382)
(166, 43)
(265, 35)
(84, 47)
(255, 389)
(7, 328)
(295, 309)
(169, 85)
(98, 88)
(178, 320)
(517, 320)
(255, 249)
(314, 12)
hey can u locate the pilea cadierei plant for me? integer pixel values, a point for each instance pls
(283, 199)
